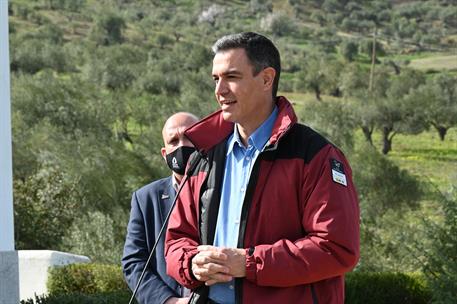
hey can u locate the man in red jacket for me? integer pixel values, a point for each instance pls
(270, 213)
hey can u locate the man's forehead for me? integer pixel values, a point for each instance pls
(180, 120)
(233, 60)
(231, 55)
(175, 126)
(172, 128)
(173, 131)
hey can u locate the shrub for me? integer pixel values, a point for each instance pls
(333, 119)
(211, 14)
(349, 50)
(97, 284)
(399, 190)
(366, 47)
(440, 265)
(45, 203)
(389, 288)
(32, 55)
(101, 283)
(94, 235)
(387, 195)
(279, 24)
(114, 297)
(85, 278)
(108, 29)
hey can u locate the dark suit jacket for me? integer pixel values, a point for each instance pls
(150, 206)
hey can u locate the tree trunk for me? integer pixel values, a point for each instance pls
(336, 92)
(373, 61)
(366, 130)
(395, 66)
(367, 133)
(177, 36)
(386, 140)
(317, 92)
(442, 132)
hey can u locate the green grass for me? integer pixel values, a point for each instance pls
(298, 100)
(435, 63)
(413, 56)
(426, 156)
(423, 155)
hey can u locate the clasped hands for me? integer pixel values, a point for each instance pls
(218, 265)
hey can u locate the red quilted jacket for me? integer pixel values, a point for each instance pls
(300, 213)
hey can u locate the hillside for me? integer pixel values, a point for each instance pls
(94, 80)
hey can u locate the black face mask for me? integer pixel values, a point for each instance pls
(177, 160)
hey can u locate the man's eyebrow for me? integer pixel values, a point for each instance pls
(172, 136)
(229, 72)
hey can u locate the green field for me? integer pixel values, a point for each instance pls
(428, 158)
(435, 63)
(424, 155)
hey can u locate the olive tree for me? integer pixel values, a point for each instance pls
(438, 98)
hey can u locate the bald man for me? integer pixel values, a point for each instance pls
(150, 205)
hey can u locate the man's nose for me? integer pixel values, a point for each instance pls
(185, 142)
(221, 87)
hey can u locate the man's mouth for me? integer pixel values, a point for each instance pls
(227, 102)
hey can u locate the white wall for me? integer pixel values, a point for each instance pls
(33, 269)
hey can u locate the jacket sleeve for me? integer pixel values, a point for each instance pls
(136, 252)
(330, 219)
(182, 238)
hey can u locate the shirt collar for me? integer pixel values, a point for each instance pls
(259, 137)
(175, 182)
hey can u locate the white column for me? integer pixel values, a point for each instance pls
(9, 264)
(6, 168)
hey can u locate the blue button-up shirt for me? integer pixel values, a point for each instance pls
(238, 165)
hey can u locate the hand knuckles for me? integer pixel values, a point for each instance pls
(212, 267)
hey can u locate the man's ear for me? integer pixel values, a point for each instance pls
(268, 78)
(164, 153)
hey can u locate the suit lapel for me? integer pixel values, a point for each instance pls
(166, 197)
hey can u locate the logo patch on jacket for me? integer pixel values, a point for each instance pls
(338, 175)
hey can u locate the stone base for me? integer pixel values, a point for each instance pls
(9, 277)
(33, 269)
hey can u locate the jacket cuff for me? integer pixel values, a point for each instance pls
(251, 267)
(186, 273)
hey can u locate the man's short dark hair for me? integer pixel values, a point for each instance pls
(260, 51)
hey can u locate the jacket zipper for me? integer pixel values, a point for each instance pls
(313, 294)
(243, 221)
(245, 210)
